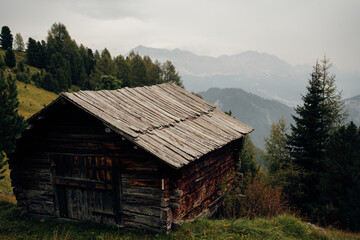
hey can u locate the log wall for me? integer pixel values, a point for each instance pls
(196, 189)
(72, 133)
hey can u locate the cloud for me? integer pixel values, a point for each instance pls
(297, 31)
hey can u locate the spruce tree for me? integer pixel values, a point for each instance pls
(6, 38)
(10, 59)
(11, 123)
(336, 112)
(249, 165)
(340, 182)
(314, 122)
(32, 54)
(2, 63)
(137, 74)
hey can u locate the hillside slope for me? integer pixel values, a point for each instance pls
(32, 99)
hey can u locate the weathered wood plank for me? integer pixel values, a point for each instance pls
(147, 220)
(82, 183)
(41, 207)
(142, 209)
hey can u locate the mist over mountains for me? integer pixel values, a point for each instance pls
(259, 73)
(258, 88)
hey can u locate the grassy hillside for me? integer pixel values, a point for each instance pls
(32, 99)
(281, 227)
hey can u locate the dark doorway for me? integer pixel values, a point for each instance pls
(87, 187)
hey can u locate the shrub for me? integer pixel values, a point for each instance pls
(21, 67)
(257, 200)
(36, 78)
(22, 77)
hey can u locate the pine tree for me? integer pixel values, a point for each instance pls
(249, 165)
(340, 182)
(6, 38)
(11, 123)
(277, 156)
(313, 124)
(137, 74)
(48, 83)
(121, 70)
(153, 71)
(281, 169)
(333, 99)
(2, 63)
(19, 43)
(10, 59)
(104, 66)
(32, 54)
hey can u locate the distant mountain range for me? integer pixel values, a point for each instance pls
(353, 108)
(260, 113)
(260, 73)
(227, 80)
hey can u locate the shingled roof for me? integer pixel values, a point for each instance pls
(174, 125)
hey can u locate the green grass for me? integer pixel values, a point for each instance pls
(6, 193)
(282, 227)
(32, 99)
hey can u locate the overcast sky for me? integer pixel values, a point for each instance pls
(296, 31)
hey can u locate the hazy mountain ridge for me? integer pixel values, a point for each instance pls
(249, 108)
(353, 108)
(261, 73)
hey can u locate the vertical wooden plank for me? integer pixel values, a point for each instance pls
(63, 207)
(116, 176)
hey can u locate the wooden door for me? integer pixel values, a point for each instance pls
(87, 188)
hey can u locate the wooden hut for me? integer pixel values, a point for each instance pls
(134, 157)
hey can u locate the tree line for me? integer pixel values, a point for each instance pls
(64, 63)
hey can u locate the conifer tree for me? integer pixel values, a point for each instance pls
(6, 38)
(10, 59)
(249, 165)
(2, 63)
(137, 74)
(11, 123)
(336, 112)
(315, 119)
(340, 182)
(104, 66)
(121, 70)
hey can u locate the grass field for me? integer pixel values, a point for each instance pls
(282, 227)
